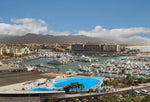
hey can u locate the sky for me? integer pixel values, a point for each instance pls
(109, 19)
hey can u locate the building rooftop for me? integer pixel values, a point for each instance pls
(92, 43)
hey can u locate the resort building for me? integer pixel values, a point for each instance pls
(16, 51)
(77, 47)
(1, 51)
(6, 50)
(92, 46)
(110, 48)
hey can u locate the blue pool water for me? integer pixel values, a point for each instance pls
(88, 82)
(41, 89)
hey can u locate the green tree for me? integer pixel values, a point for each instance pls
(136, 98)
(141, 80)
(128, 98)
(83, 100)
(116, 98)
(115, 83)
(146, 99)
(77, 85)
(106, 82)
(74, 99)
(72, 86)
(82, 86)
(128, 80)
(67, 88)
(48, 100)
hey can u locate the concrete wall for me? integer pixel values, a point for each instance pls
(20, 99)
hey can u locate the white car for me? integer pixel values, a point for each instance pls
(137, 92)
(100, 97)
(145, 92)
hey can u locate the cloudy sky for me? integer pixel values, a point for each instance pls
(109, 19)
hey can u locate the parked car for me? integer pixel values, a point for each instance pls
(137, 92)
(145, 92)
(123, 95)
(92, 98)
(119, 95)
(100, 97)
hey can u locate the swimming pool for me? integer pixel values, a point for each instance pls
(88, 82)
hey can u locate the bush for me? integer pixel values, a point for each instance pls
(23, 89)
(90, 90)
(48, 100)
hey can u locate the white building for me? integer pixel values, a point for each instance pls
(1, 51)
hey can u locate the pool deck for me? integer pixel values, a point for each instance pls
(22, 86)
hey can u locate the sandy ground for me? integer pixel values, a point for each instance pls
(52, 74)
(8, 67)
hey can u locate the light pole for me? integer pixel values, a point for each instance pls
(132, 89)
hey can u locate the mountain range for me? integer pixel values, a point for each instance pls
(37, 38)
(51, 39)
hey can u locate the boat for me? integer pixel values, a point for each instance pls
(87, 59)
(62, 59)
(95, 65)
(69, 72)
(56, 62)
(28, 68)
(84, 69)
(126, 62)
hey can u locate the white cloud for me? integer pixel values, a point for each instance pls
(122, 34)
(98, 31)
(27, 25)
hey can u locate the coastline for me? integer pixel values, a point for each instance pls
(138, 46)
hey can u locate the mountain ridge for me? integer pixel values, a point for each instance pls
(51, 39)
(38, 38)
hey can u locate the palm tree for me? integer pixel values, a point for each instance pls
(115, 83)
(128, 98)
(77, 85)
(72, 86)
(81, 86)
(106, 82)
(67, 88)
(128, 80)
(116, 98)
